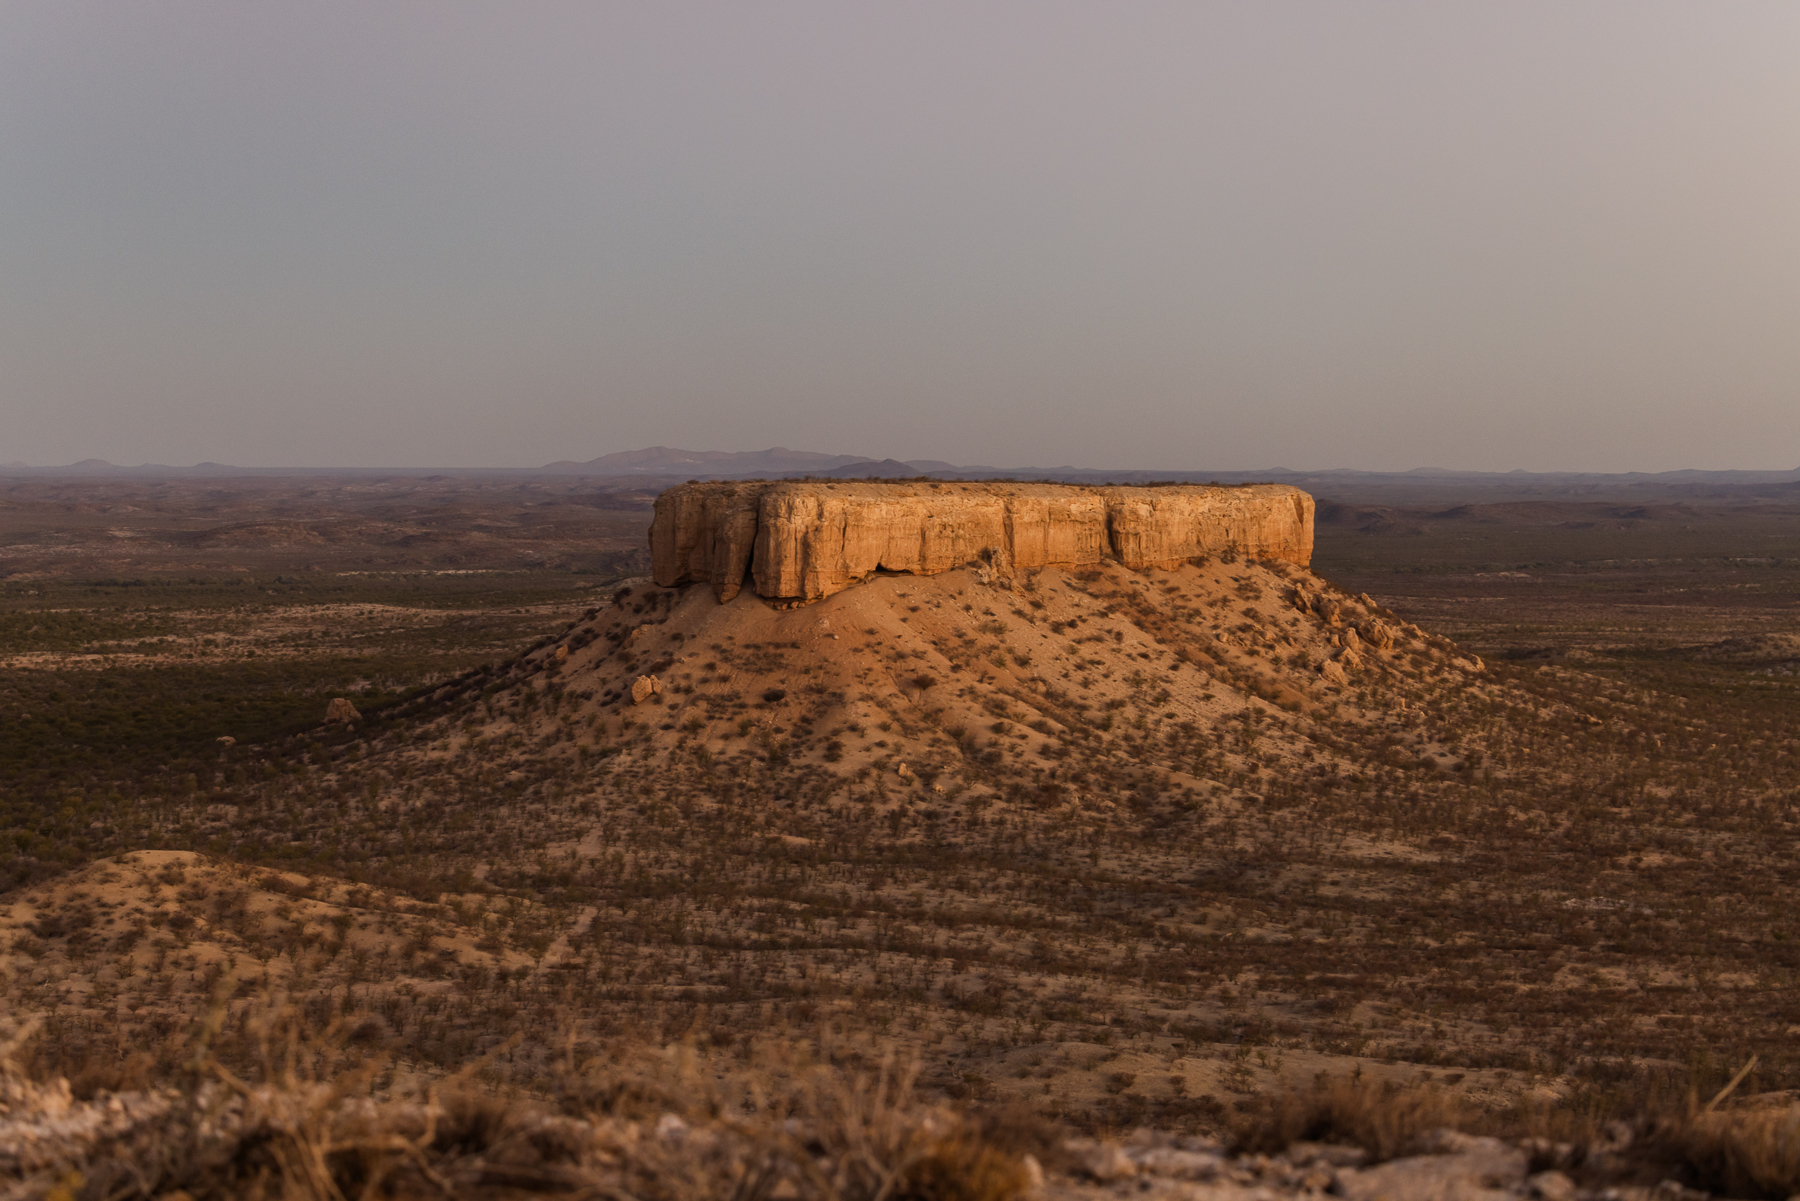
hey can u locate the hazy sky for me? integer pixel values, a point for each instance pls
(1554, 235)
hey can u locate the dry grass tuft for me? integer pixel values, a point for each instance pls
(1734, 1153)
(834, 1132)
(1384, 1121)
(962, 1167)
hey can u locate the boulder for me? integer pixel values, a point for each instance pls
(340, 709)
(1552, 1186)
(1176, 1163)
(805, 540)
(1465, 1168)
(1378, 635)
(1107, 1163)
(643, 688)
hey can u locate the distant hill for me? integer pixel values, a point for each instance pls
(776, 461)
(667, 460)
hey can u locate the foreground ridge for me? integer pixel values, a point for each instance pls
(637, 1122)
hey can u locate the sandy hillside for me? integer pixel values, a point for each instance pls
(954, 685)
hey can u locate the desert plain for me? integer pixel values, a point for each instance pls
(1492, 800)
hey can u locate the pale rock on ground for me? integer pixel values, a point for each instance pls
(1154, 1166)
(340, 709)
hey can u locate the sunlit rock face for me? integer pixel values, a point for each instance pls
(804, 540)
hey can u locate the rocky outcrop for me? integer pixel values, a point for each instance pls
(803, 540)
(705, 532)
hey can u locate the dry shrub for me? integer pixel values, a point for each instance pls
(1736, 1153)
(1018, 1128)
(885, 1142)
(835, 1132)
(961, 1167)
(1386, 1121)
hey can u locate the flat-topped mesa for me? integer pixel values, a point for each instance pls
(806, 539)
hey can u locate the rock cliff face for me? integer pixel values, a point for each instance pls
(803, 540)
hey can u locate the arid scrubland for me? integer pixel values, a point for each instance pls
(1125, 848)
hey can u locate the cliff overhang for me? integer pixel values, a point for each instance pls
(805, 540)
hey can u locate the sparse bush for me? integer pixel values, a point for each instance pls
(1385, 1121)
(1735, 1153)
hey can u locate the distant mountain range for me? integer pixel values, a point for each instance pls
(102, 467)
(777, 460)
(656, 467)
(654, 461)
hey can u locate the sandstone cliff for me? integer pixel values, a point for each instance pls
(803, 540)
